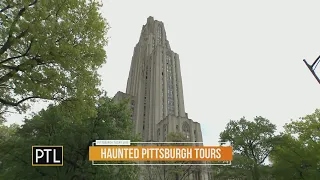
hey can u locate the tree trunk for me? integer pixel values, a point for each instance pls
(255, 172)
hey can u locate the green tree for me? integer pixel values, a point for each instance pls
(298, 155)
(50, 50)
(253, 140)
(240, 168)
(58, 126)
(6, 132)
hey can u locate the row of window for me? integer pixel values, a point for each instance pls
(177, 88)
(162, 85)
(145, 102)
(170, 85)
(159, 34)
(185, 131)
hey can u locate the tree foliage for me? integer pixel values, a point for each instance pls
(252, 140)
(58, 126)
(240, 168)
(298, 155)
(49, 50)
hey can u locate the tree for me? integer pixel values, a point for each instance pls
(6, 132)
(290, 159)
(253, 140)
(50, 50)
(297, 157)
(240, 169)
(59, 125)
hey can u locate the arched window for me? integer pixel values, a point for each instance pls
(186, 130)
(165, 129)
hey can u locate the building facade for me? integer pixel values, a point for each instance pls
(155, 88)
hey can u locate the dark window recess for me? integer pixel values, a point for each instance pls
(143, 127)
(162, 73)
(146, 77)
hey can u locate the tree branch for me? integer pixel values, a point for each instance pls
(21, 67)
(33, 3)
(3, 101)
(10, 40)
(263, 159)
(22, 55)
(5, 8)
(9, 67)
(253, 154)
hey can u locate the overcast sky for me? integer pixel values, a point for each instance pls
(238, 58)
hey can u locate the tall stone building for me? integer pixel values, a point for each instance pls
(155, 89)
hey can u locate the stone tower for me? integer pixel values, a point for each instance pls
(155, 88)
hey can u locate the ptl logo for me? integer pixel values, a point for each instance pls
(47, 155)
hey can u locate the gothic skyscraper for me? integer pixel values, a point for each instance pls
(155, 88)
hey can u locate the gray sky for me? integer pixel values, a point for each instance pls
(238, 58)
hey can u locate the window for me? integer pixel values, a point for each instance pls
(186, 130)
(170, 85)
(162, 82)
(159, 34)
(153, 44)
(143, 125)
(158, 132)
(165, 126)
(177, 128)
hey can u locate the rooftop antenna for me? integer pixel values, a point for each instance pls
(313, 67)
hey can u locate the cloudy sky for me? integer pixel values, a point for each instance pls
(238, 58)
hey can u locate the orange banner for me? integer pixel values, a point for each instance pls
(160, 153)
